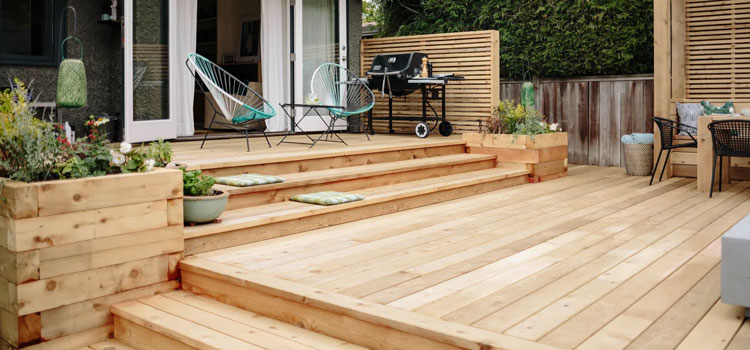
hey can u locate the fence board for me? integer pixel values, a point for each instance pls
(474, 55)
(595, 112)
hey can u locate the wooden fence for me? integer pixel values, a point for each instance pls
(474, 55)
(595, 112)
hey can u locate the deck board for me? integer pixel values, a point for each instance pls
(597, 260)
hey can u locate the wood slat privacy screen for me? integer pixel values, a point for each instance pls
(474, 55)
(717, 50)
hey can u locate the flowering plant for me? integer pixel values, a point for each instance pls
(131, 160)
(511, 118)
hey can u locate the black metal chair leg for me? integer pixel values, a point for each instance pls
(208, 130)
(666, 161)
(721, 171)
(266, 136)
(247, 139)
(713, 178)
(656, 166)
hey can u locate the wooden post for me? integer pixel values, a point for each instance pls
(662, 62)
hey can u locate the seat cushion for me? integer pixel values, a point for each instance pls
(688, 114)
(246, 180)
(327, 198)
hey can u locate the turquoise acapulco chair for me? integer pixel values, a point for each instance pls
(337, 86)
(240, 105)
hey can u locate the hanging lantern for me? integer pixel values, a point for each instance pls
(527, 94)
(71, 79)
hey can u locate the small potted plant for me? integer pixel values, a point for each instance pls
(161, 152)
(201, 203)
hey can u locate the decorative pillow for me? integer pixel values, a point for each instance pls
(727, 108)
(688, 114)
(246, 180)
(327, 198)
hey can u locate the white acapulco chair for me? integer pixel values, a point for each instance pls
(337, 86)
(239, 104)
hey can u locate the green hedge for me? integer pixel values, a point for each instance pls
(556, 38)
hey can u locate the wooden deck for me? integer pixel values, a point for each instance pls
(597, 260)
(216, 151)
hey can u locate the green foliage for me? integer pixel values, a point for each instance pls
(370, 11)
(160, 151)
(509, 118)
(89, 156)
(195, 184)
(552, 38)
(29, 147)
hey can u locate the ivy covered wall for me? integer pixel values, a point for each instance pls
(554, 38)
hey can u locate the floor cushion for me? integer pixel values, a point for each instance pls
(688, 114)
(327, 198)
(246, 180)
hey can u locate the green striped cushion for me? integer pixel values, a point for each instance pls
(327, 198)
(246, 180)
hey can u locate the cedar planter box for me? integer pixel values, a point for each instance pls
(544, 156)
(71, 248)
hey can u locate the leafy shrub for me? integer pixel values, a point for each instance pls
(160, 151)
(551, 38)
(195, 184)
(509, 118)
(36, 150)
(29, 148)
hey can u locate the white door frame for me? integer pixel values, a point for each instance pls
(299, 82)
(140, 131)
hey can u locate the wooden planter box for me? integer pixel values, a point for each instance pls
(71, 248)
(544, 156)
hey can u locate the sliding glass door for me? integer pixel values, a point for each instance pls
(322, 30)
(148, 70)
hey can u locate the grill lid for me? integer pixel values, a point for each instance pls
(405, 65)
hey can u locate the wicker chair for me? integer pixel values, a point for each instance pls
(238, 103)
(667, 130)
(731, 138)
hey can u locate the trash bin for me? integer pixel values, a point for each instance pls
(639, 153)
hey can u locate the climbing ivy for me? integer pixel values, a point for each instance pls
(554, 38)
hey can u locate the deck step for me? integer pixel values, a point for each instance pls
(182, 320)
(311, 160)
(338, 315)
(241, 226)
(356, 177)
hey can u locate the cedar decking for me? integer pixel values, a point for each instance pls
(598, 260)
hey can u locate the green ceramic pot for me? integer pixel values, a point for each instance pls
(201, 209)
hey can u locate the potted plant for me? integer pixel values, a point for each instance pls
(201, 202)
(522, 139)
(161, 152)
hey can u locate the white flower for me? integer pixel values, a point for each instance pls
(149, 164)
(101, 121)
(117, 157)
(125, 148)
(553, 126)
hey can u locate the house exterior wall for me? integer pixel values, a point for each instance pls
(353, 43)
(103, 59)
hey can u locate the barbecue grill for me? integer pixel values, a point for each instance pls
(391, 73)
(400, 75)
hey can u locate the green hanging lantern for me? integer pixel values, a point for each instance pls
(71, 80)
(527, 94)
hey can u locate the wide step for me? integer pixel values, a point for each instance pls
(356, 177)
(252, 224)
(182, 320)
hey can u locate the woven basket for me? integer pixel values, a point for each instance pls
(639, 159)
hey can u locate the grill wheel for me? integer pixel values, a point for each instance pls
(422, 130)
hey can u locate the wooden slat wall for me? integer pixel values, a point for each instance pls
(717, 50)
(474, 55)
(595, 112)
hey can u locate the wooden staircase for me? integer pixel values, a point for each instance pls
(221, 308)
(391, 178)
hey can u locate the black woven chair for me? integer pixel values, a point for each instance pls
(667, 130)
(731, 139)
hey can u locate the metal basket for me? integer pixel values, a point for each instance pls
(639, 159)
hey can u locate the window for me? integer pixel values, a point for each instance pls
(29, 31)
